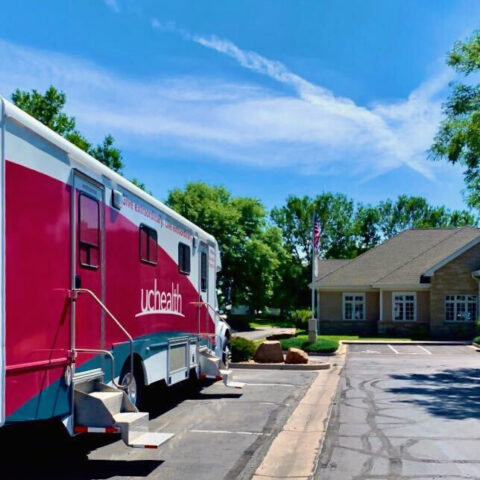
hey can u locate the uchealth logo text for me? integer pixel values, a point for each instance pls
(154, 301)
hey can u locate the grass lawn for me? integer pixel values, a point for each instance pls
(325, 343)
(269, 323)
(359, 337)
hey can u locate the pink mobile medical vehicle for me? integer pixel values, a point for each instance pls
(103, 290)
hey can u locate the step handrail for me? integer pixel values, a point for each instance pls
(112, 360)
(121, 327)
(216, 313)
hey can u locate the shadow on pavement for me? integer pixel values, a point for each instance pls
(453, 394)
(44, 450)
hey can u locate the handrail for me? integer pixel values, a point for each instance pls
(217, 313)
(122, 328)
(112, 359)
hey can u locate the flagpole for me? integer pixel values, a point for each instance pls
(312, 327)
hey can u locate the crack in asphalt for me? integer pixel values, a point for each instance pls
(373, 409)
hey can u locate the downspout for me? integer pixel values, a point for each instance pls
(476, 277)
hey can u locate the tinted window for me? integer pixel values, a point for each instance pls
(148, 245)
(89, 231)
(203, 271)
(184, 258)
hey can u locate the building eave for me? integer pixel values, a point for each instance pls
(430, 272)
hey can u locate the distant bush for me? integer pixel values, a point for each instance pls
(241, 323)
(322, 345)
(300, 318)
(420, 332)
(476, 340)
(242, 349)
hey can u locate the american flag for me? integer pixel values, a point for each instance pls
(316, 233)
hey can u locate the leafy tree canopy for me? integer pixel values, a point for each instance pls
(251, 250)
(48, 109)
(458, 137)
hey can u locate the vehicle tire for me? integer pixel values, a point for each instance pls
(226, 353)
(136, 383)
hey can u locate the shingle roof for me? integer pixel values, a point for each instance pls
(403, 259)
(325, 267)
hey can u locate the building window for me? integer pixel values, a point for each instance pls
(184, 258)
(354, 306)
(148, 245)
(404, 307)
(89, 231)
(460, 308)
(203, 272)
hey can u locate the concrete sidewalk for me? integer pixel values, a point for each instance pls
(295, 451)
(258, 333)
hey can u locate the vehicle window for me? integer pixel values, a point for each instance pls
(148, 245)
(89, 231)
(184, 258)
(203, 272)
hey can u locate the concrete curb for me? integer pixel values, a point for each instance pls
(404, 342)
(281, 366)
(294, 453)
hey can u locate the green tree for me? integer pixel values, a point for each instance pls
(336, 217)
(458, 137)
(250, 249)
(107, 154)
(294, 219)
(415, 212)
(48, 109)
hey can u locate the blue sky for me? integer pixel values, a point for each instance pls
(268, 98)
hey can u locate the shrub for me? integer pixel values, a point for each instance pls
(476, 340)
(241, 323)
(300, 318)
(322, 345)
(242, 349)
(420, 332)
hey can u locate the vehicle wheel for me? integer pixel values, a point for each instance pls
(135, 384)
(226, 354)
(193, 384)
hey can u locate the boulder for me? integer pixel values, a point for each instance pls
(269, 351)
(295, 355)
(283, 333)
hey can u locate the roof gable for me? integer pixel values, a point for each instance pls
(404, 258)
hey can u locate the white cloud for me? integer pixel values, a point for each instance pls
(309, 130)
(113, 5)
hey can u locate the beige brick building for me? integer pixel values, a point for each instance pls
(418, 282)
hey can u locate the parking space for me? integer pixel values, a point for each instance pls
(219, 434)
(411, 349)
(405, 414)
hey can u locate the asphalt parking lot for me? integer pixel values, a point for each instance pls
(405, 412)
(220, 433)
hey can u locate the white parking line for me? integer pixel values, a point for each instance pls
(270, 385)
(232, 433)
(395, 351)
(425, 350)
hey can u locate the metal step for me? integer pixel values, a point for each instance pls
(209, 364)
(210, 368)
(100, 408)
(112, 400)
(227, 377)
(150, 440)
(134, 430)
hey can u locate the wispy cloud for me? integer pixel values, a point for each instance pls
(307, 129)
(113, 5)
